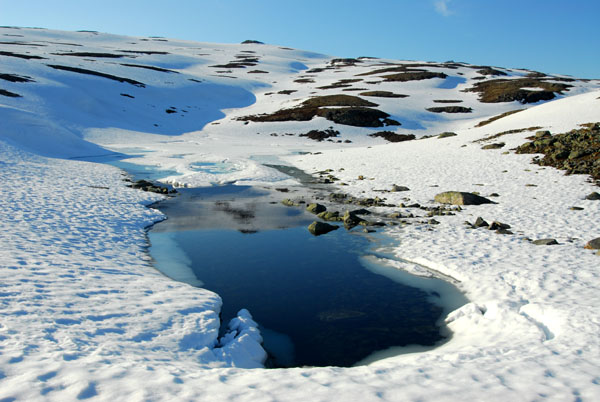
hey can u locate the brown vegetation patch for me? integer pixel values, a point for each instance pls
(515, 131)
(304, 80)
(447, 101)
(490, 71)
(349, 110)
(320, 135)
(383, 94)
(450, 109)
(491, 119)
(507, 90)
(148, 52)
(341, 83)
(413, 76)
(97, 74)
(90, 54)
(393, 137)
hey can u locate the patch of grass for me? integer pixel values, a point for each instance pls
(509, 90)
(383, 94)
(492, 119)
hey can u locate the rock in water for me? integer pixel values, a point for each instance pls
(545, 242)
(319, 228)
(593, 244)
(316, 208)
(460, 198)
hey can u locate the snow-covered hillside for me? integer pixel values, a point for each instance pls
(85, 315)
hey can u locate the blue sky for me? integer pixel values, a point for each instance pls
(553, 36)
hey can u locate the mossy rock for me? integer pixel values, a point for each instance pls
(320, 228)
(461, 198)
(316, 208)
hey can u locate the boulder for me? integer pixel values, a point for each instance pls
(316, 208)
(447, 134)
(350, 220)
(480, 222)
(499, 226)
(289, 203)
(460, 198)
(497, 145)
(545, 242)
(593, 244)
(330, 216)
(319, 228)
(396, 188)
(593, 196)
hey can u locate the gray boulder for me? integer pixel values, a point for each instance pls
(593, 244)
(460, 198)
(396, 188)
(593, 196)
(545, 242)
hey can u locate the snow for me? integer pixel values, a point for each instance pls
(86, 316)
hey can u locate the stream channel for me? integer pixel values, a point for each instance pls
(319, 301)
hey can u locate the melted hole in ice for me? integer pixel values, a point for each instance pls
(315, 301)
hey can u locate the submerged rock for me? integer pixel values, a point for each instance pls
(289, 203)
(319, 228)
(460, 198)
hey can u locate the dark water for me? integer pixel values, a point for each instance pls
(317, 305)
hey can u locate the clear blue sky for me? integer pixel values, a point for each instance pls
(553, 36)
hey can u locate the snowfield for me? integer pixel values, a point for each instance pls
(85, 315)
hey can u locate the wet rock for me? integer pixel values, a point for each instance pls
(289, 203)
(461, 198)
(593, 244)
(593, 196)
(330, 216)
(316, 208)
(319, 228)
(351, 220)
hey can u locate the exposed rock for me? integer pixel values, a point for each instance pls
(461, 198)
(593, 196)
(544, 242)
(145, 185)
(509, 90)
(393, 137)
(396, 188)
(289, 203)
(497, 145)
(350, 220)
(498, 225)
(330, 216)
(593, 244)
(319, 228)
(504, 231)
(316, 208)
(480, 222)
(447, 134)
(450, 109)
